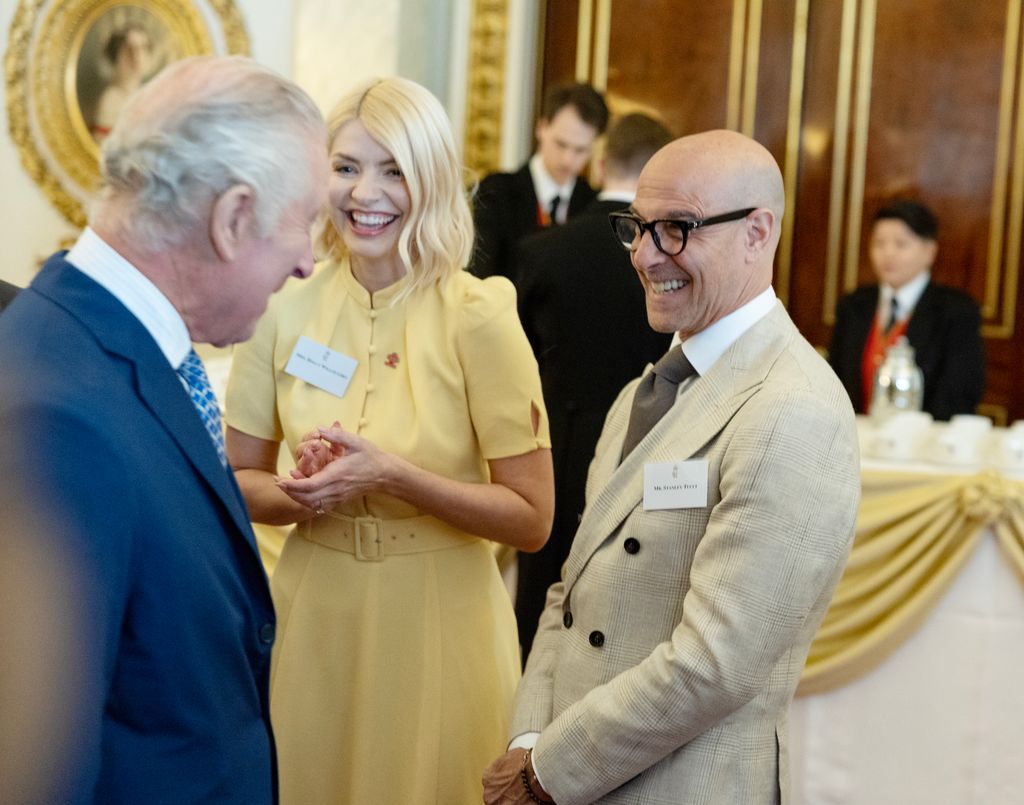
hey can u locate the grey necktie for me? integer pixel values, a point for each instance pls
(655, 395)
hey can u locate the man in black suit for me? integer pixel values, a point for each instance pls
(548, 188)
(942, 324)
(585, 316)
(7, 294)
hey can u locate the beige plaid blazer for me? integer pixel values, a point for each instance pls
(672, 681)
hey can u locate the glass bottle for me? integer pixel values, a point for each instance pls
(899, 383)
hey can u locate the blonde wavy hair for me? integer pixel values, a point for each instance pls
(437, 238)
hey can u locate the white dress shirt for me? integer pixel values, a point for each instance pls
(907, 298)
(546, 189)
(95, 258)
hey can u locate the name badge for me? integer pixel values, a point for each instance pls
(676, 485)
(321, 366)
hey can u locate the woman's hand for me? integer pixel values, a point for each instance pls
(312, 454)
(349, 466)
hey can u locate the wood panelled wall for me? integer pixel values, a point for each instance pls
(859, 100)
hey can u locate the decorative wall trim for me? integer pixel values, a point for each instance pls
(840, 147)
(791, 161)
(488, 33)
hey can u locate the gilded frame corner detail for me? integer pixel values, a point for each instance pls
(69, 64)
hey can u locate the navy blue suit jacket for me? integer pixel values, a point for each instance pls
(172, 696)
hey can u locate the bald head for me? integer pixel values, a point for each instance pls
(726, 263)
(730, 170)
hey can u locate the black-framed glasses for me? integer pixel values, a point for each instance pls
(669, 235)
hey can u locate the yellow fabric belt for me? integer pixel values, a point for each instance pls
(370, 539)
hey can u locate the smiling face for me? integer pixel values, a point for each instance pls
(725, 265)
(369, 202)
(565, 143)
(898, 254)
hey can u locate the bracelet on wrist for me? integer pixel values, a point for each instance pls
(524, 774)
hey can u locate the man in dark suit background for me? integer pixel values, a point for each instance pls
(548, 188)
(584, 314)
(211, 179)
(7, 294)
(942, 324)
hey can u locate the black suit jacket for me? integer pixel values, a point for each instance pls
(7, 294)
(582, 307)
(945, 332)
(505, 210)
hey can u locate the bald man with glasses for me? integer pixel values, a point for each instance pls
(720, 510)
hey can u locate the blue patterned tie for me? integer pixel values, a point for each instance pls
(205, 401)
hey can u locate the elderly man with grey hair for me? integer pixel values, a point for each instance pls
(211, 179)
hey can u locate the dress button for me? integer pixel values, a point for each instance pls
(372, 349)
(267, 633)
(631, 545)
(596, 639)
(364, 422)
(373, 314)
(369, 387)
(567, 620)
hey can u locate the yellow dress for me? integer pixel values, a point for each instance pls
(396, 657)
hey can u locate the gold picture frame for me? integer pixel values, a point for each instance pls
(70, 63)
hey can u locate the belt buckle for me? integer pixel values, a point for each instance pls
(368, 539)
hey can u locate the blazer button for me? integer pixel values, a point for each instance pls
(567, 620)
(267, 633)
(632, 545)
(596, 639)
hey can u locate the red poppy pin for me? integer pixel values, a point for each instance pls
(392, 360)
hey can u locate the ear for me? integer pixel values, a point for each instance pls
(932, 251)
(232, 220)
(760, 228)
(539, 129)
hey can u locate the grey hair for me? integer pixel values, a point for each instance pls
(201, 126)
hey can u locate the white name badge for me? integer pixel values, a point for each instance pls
(321, 366)
(676, 485)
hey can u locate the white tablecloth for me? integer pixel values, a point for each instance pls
(941, 722)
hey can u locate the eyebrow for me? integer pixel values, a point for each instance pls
(349, 158)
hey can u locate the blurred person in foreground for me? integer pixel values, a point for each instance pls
(397, 659)
(7, 294)
(548, 189)
(584, 314)
(942, 324)
(211, 178)
(720, 511)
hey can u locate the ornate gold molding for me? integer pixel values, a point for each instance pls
(840, 141)
(791, 161)
(487, 37)
(52, 45)
(1007, 188)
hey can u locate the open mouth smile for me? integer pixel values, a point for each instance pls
(369, 223)
(668, 286)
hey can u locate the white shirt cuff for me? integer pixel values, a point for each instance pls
(528, 740)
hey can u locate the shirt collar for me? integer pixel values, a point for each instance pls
(704, 348)
(95, 258)
(907, 296)
(545, 187)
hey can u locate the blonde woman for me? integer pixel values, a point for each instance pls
(396, 656)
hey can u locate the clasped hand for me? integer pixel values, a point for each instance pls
(333, 466)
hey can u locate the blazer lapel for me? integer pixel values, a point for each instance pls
(701, 412)
(157, 384)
